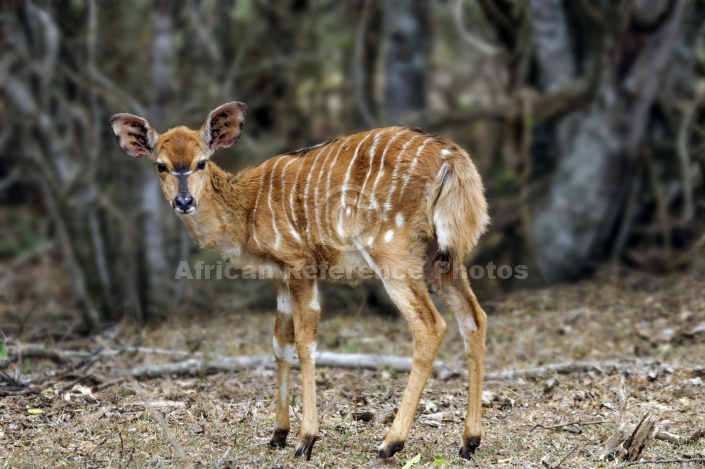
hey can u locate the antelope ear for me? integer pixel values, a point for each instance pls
(223, 126)
(134, 134)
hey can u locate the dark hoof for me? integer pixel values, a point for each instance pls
(388, 452)
(306, 447)
(278, 438)
(469, 447)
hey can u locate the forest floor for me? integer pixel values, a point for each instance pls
(653, 327)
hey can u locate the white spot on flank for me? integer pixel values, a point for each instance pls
(445, 152)
(388, 235)
(348, 210)
(287, 353)
(284, 302)
(370, 241)
(399, 219)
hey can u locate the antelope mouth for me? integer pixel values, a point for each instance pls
(188, 211)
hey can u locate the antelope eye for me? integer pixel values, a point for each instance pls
(201, 164)
(161, 167)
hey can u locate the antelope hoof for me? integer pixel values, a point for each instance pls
(469, 447)
(278, 438)
(305, 447)
(386, 452)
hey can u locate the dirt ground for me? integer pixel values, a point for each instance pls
(653, 326)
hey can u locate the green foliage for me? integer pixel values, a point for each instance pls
(3, 350)
(440, 461)
(412, 462)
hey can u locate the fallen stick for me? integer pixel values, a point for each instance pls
(199, 362)
(562, 369)
(323, 359)
(664, 435)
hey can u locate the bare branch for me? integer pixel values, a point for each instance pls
(359, 69)
(474, 41)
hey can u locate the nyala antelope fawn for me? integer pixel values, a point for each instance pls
(396, 202)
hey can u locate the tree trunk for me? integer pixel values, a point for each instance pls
(597, 145)
(405, 35)
(155, 267)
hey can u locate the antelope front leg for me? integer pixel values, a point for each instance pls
(283, 343)
(306, 313)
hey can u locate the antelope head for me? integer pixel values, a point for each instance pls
(181, 155)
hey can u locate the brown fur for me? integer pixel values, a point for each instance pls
(389, 201)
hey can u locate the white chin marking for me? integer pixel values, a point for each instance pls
(185, 212)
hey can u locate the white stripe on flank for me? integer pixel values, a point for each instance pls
(302, 161)
(407, 176)
(259, 194)
(372, 151)
(399, 219)
(292, 228)
(277, 236)
(315, 192)
(387, 205)
(352, 162)
(330, 171)
(388, 235)
(308, 184)
(381, 170)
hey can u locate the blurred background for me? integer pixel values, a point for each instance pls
(585, 117)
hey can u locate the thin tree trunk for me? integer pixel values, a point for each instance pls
(155, 266)
(405, 35)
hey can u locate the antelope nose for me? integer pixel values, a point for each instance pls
(183, 203)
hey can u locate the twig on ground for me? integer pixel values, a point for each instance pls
(156, 415)
(664, 461)
(562, 368)
(109, 384)
(576, 423)
(664, 435)
(323, 359)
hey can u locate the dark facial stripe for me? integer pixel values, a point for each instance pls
(183, 183)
